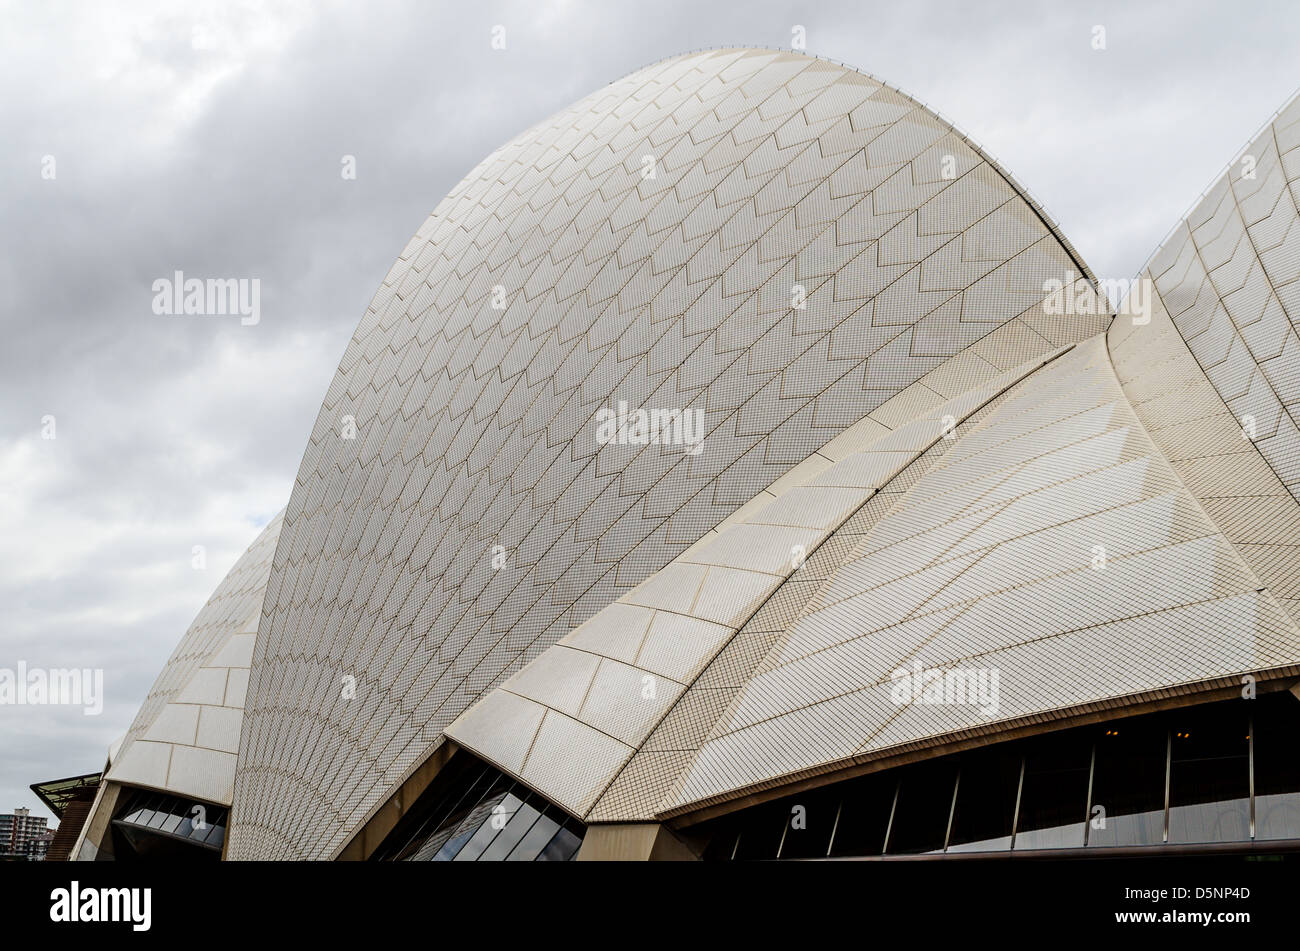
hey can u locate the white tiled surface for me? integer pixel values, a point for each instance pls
(599, 674)
(186, 737)
(990, 565)
(475, 426)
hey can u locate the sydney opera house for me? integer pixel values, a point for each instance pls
(740, 465)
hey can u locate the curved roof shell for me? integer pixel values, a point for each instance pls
(1215, 374)
(185, 738)
(1118, 528)
(1049, 547)
(641, 247)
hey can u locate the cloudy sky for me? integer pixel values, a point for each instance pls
(207, 137)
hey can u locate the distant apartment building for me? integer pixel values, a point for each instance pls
(40, 846)
(23, 836)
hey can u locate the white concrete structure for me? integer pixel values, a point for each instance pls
(910, 461)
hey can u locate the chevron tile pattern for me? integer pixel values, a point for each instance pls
(991, 561)
(612, 680)
(1205, 444)
(780, 244)
(640, 788)
(1229, 278)
(1049, 540)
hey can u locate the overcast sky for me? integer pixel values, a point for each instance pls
(207, 137)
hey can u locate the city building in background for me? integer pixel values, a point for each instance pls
(23, 836)
(741, 465)
(40, 846)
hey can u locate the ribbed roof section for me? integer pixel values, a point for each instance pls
(768, 245)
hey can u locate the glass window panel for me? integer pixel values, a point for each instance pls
(411, 832)
(469, 825)
(809, 818)
(864, 815)
(531, 845)
(186, 826)
(760, 831)
(146, 807)
(924, 805)
(509, 836)
(216, 836)
(454, 795)
(986, 800)
(138, 811)
(201, 831)
(143, 811)
(170, 822)
(1054, 797)
(1128, 783)
(158, 816)
(1209, 781)
(454, 790)
(722, 840)
(1277, 767)
(495, 820)
(135, 813)
(561, 848)
(431, 849)
(466, 790)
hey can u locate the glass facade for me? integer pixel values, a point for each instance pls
(1127, 804)
(985, 810)
(808, 826)
(1277, 774)
(1223, 772)
(474, 813)
(161, 824)
(924, 808)
(1054, 792)
(1209, 776)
